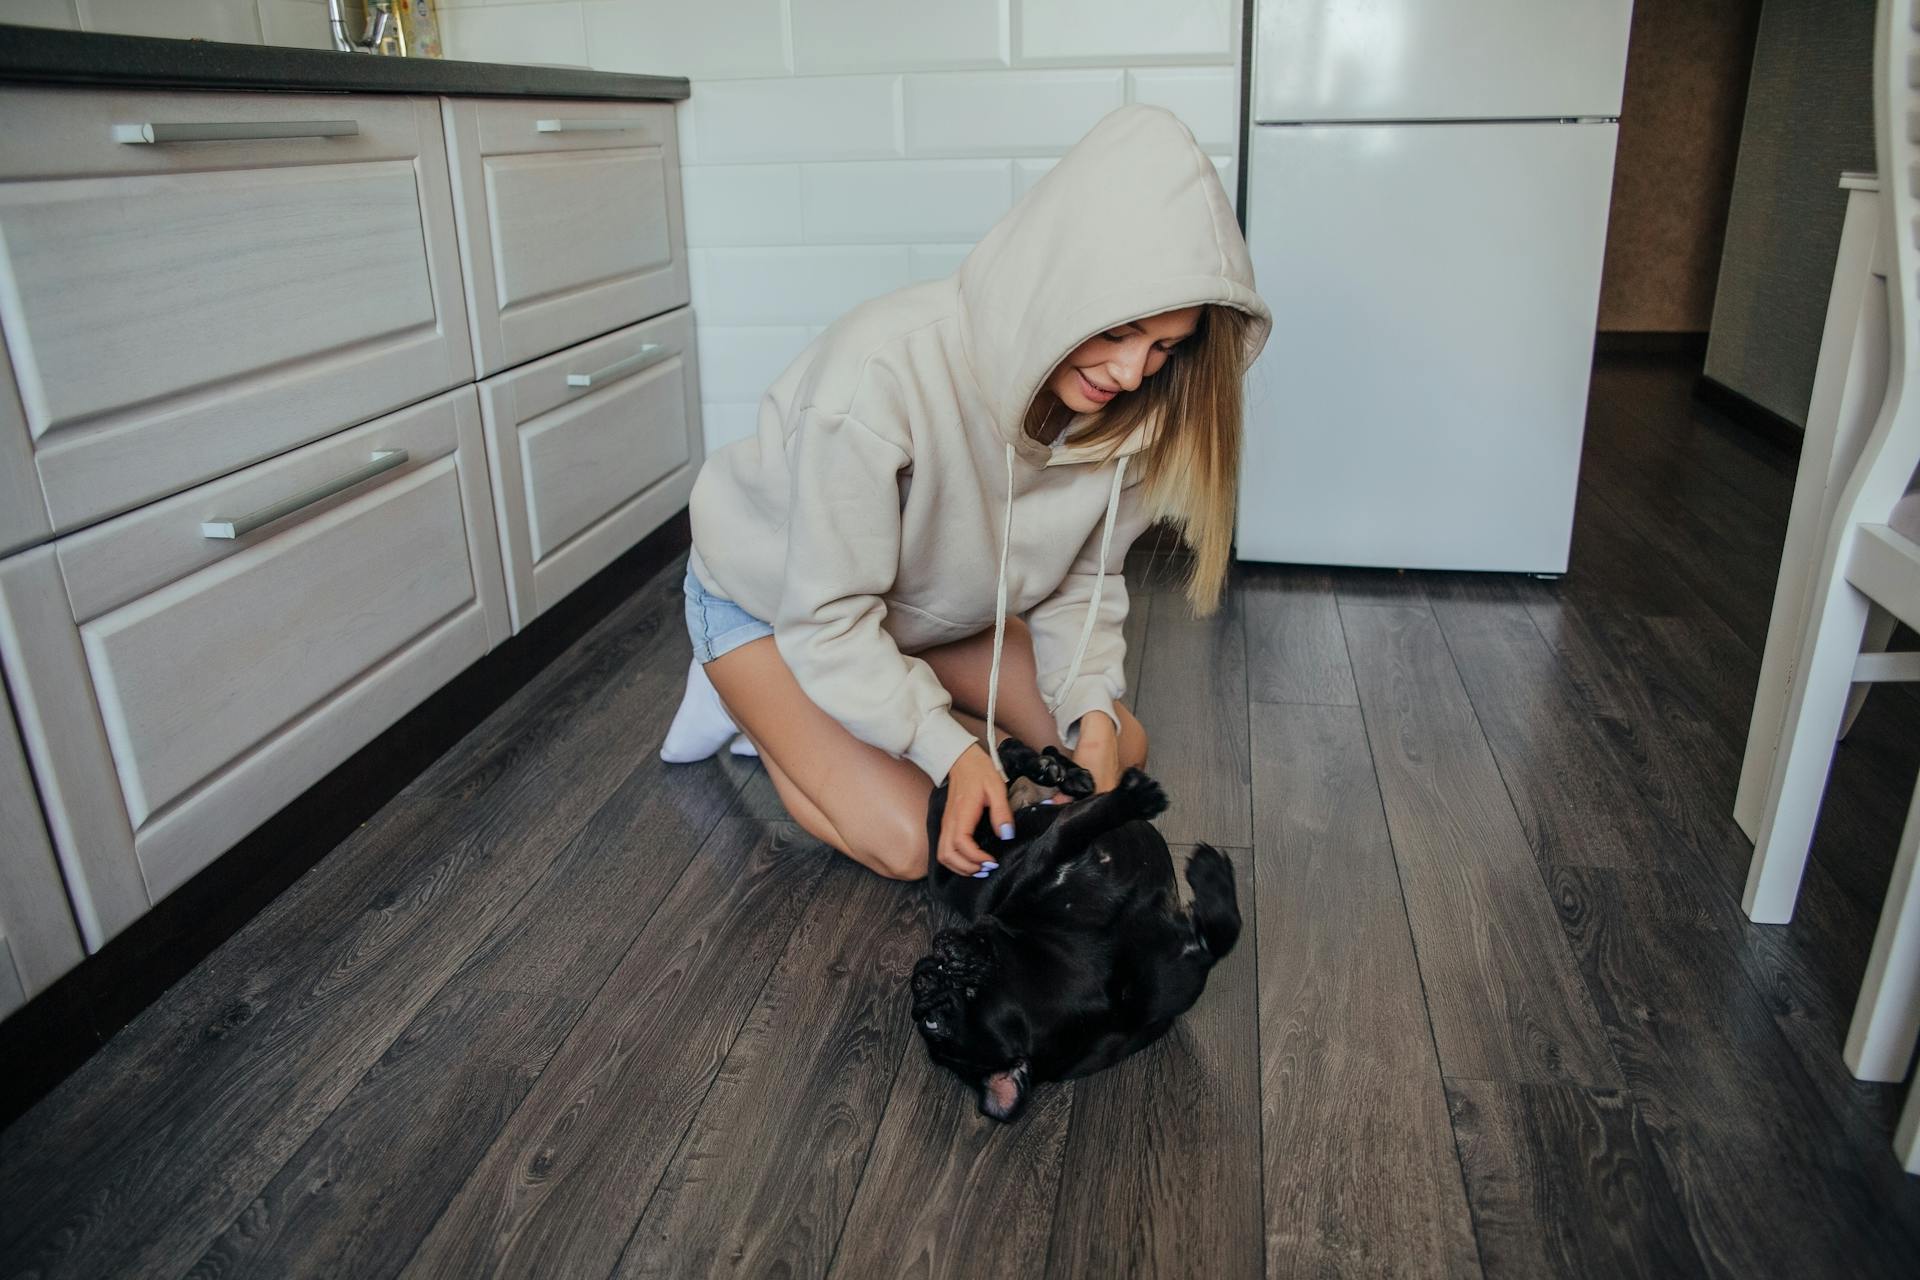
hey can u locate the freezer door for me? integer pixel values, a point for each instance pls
(1421, 401)
(1438, 59)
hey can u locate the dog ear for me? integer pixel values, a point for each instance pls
(1003, 1095)
(948, 977)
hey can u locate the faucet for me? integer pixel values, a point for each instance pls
(372, 36)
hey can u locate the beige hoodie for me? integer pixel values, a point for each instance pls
(867, 516)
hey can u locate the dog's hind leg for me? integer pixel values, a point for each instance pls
(1084, 821)
(1216, 905)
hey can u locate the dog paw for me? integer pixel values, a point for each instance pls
(1144, 797)
(1064, 775)
(1022, 761)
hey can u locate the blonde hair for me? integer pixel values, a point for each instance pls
(1193, 463)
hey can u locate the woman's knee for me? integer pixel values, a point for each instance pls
(892, 843)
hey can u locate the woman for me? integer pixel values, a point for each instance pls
(925, 534)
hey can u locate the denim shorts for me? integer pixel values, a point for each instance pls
(716, 624)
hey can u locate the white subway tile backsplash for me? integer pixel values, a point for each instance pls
(237, 21)
(300, 24)
(813, 118)
(742, 204)
(1006, 112)
(739, 364)
(699, 39)
(903, 201)
(1207, 99)
(722, 424)
(1121, 31)
(934, 261)
(683, 130)
(805, 284)
(40, 13)
(887, 35)
(552, 34)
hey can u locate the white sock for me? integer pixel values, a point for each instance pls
(701, 726)
(743, 747)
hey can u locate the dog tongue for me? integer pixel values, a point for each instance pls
(1003, 1091)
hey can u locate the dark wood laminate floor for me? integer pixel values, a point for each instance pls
(562, 1010)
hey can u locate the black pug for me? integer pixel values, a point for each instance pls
(1077, 951)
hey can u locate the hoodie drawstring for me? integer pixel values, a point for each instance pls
(1000, 604)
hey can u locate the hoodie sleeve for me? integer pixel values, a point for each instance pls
(843, 550)
(1056, 623)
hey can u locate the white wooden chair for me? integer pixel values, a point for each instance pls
(1871, 556)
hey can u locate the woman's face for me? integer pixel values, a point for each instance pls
(1119, 360)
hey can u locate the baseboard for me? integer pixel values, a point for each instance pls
(1757, 418)
(58, 1030)
(1624, 342)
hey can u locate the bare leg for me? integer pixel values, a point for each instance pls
(964, 666)
(844, 792)
(853, 796)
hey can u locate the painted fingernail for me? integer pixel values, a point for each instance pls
(980, 875)
(989, 866)
(1006, 831)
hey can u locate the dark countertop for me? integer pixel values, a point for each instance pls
(49, 56)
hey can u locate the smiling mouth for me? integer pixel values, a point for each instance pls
(1094, 391)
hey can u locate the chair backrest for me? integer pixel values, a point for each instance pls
(1892, 453)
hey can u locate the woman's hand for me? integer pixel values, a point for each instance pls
(974, 786)
(1099, 750)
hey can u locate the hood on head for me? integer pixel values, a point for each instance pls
(1131, 222)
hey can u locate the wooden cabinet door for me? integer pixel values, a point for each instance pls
(591, 449)
(194, 685)
(178, 309)
(570, 221)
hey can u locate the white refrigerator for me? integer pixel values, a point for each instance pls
(1427, 191)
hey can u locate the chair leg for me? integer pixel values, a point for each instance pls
(1886, 1021)
(1906, 1134)
(1880, 627)
(1814, 706)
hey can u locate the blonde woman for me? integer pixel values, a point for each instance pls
(925, 534)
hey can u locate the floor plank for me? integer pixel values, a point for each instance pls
(1565, 1182)
(358, 1196)
(764, 1179)
(1728, 1106)
(1505, 1000)
(1574, 803)
(1189, 1103)
(280, 1023)
(949, 1193)
(1360, 1172)
(1296, 651)
(561, 1187)
(1193, 695)
(367, 1186)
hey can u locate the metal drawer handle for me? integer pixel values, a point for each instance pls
(237, 526)
(588, 126)
(237, 131)
(649, 354)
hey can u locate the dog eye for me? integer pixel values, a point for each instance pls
(931, 1024)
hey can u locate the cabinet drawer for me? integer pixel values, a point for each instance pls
(217, 679)
(570, 221)
(178, 309)
(38, 942)
(23, 511)
(581, 473)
